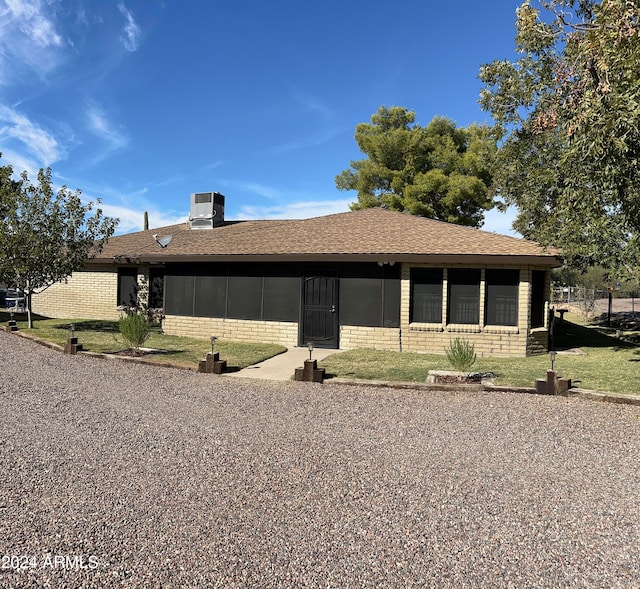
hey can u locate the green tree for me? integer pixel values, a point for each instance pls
(8, 190)
(565, 276)
(592, 284)
(439, 171)
(45, 236)
(568, 111)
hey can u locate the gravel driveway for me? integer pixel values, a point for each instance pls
(121, 475)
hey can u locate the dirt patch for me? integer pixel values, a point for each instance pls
(573, 352)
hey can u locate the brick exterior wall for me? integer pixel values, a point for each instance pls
(353, 337)
(86, 294)
(271, 332)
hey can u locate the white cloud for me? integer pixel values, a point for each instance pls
(103, 128)
(20, 163)
(131, 32)
(295, 210)
(32, 21)
(29, 39)
(42, 145)
(133, 219)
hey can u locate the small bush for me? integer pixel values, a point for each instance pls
(461, 354)
(135, 329)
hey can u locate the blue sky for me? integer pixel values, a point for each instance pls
(142, 102)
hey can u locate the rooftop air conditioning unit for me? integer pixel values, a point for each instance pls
(207, 210)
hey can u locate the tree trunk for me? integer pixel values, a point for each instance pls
(29, 315)
(27, 293)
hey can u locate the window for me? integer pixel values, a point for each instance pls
(370, 295)
(179, 289)
(244, 291)
(463, 296)
(538, 297)
(156, 288)
(501, 297)
(127, 287)
(360, 301)
(391, 296)
(426, 295)
(244, 297)
(210, 295)
(281, 298)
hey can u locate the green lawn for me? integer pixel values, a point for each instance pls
(103, 336)
(608, 364)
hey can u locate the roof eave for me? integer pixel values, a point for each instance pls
(550, 260)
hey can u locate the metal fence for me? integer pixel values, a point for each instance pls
(589, 301)
(576, 294)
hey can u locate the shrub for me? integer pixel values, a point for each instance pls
(135, 329)
(461, 354)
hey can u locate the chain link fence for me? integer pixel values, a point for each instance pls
(591, 302)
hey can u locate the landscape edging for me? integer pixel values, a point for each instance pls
(602, 396)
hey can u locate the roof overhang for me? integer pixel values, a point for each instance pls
(550, 260)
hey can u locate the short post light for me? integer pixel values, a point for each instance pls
(310, 372)
(11, 324)
(72, 346)
(553, 385)
(212, 362)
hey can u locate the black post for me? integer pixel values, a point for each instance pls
(609, 311)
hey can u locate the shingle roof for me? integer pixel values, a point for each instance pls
(364, 234)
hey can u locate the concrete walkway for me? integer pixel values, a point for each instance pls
(282, 366)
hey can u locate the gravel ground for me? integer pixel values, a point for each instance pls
(122, 475)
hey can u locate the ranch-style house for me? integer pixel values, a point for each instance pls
(371, 278)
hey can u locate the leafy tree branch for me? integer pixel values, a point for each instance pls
(439, 171)
(45, 235)
(568, 110)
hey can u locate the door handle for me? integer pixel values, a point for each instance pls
(333, 308)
